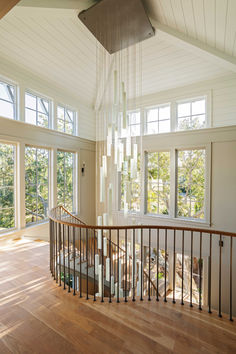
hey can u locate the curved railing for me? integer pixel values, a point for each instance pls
(192, 265)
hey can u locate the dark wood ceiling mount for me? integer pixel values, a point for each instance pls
(118, 24)
(6, 6)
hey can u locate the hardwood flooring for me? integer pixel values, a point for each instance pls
(36, 316)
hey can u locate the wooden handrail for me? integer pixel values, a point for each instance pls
(135, 227)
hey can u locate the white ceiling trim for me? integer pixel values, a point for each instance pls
(199, 48)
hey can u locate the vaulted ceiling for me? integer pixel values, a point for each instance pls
(53, 44)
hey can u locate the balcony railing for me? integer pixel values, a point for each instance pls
(138, 262)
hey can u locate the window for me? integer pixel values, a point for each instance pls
(158, 183)
(134, 123)
(191, 114)
(191, 183)
(36, 184)
(158, 120)
(7, 100)
(65, 179)
(65, 120)
(37, 110)
(7, 183)
(130, 185)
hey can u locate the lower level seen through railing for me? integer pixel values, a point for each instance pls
(194, 266)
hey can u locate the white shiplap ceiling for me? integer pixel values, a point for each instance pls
(53, 44)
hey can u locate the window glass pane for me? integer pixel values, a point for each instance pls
(69, 116)
(60, 125)
(152, 115)
(198, 107)
(7, 176)
(184, 123)
(30, 116)
(164, 113)
(130, 185)
(60, 113)
(158, 189)
(36, 110)
(6, 109)
(198, 121)
(134, 118)
(30, 101)
(65, 180)
(135, 130)
(152, 128)
(65, 120)
(184, 109)
(164, 126)
(191, 184)
(68, 128)
(36, 184)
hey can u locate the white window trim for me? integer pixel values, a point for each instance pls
(17, 92)
(51, 107)
(145, 122)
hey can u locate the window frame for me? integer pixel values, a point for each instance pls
(50, 108)
(16, 103)
(158, 106)
(75, 118)
(191, 100)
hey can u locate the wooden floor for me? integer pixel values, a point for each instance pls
(36, 316)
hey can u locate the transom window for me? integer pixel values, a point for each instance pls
(191, 114)
(134, 123)
(37, 110)
(191, 183)
(36, 184)
(158, 120)
(65, 179)
(158, 183)
(7, 100)
(65, 120)
(7, 183)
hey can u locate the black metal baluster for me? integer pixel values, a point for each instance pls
(174, 261)
(118, 266)
(80, 264)
(158, 246)
(94, 275)
(134, 261)
(220, 260)
(59, 254)
(231, 281)
(126, 268)
(149, 264)
(209, 276)
(182, 290)
(200, 274)
(191, 272)
(68, 236)
(141, 265)
(87, 264)
(74, 255)
(50, 255)
(56, 254)
(110, 263)
(102, 299)
(165, 300)
(64, 261)
(53, 241)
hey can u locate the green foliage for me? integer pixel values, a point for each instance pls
(7, 213)
(65, 179)
(191, 183)
(158, 187)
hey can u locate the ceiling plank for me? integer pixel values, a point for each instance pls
(6, 6)
(197, 47)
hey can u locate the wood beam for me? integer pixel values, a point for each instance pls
(6, 6)
(197, 47)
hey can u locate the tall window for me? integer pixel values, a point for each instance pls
(191, 183)
(130, 185)
(36, 184)
(37, 110)
(65, 179)
(7, 100)
(134, 123)
(7, 175)
(158, 183)
(65, 120)
(191, 114)
(158, 120)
